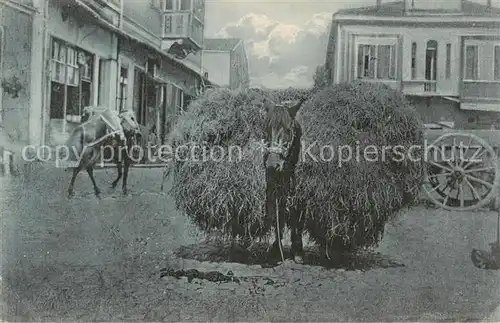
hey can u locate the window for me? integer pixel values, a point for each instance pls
(448, 61)
(385, 68)
(199, 9)
(496, 58)
(431, 60)
(1, 70)
(122, 89)
(471, 62)
(71, 81)
(377, 62)
(179, 99)
(413, 60)
(177, 5)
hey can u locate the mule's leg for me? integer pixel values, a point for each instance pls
(90, 171)
(279, 221)
(297, 222)
(126, 167)
(166, 172)
(273, 206)
(297, 229)
(119, 168)
(72, 183)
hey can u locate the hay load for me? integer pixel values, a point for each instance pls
(223, 193)
(347, 201)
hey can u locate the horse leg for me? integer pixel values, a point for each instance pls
(72, 183)
(90, 171)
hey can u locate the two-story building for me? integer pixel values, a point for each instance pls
(65, 55)
(443, 54)
(225, 60)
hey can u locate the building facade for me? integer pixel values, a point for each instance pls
(443, 54)
(225, 60)
(143, 56)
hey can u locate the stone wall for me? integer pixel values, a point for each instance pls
(17, 29)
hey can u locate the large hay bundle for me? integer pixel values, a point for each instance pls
(227, 195)
(347, 206)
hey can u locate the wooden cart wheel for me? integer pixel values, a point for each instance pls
(461, 173)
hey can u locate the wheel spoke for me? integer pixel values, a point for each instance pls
(479, 169)
(473, 160)
(445, 201)
(480, 181)
(465, 153)
(461, 192)
(453, 152)
(436, 187)
(440, 166)
(436, 175)
(472, 188)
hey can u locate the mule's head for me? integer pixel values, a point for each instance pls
(280, 131)
(129, 123)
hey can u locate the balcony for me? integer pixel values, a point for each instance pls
(481, 89)
(183, 25)
(480, 95)
(420, 87)
(107, 9)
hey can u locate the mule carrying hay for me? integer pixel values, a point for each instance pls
(347, 199)
(223, 192)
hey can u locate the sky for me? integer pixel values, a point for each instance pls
(285, 40)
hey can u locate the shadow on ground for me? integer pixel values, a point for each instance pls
(257, 255)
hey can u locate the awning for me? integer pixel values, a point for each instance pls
(123, 34)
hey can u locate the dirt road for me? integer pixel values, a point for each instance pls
(90, 260)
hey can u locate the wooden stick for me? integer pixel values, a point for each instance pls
(498, 229)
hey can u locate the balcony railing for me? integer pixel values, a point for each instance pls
(430, 86)
(183, 24)
(420, 87)
(480, 89)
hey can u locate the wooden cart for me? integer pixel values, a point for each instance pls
(463, 174)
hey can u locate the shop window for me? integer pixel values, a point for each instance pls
(71, 81)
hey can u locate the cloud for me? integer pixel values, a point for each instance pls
(297, 77)
(281, 54)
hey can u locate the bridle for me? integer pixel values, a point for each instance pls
(282, 148)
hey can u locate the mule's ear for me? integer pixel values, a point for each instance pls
(295, 108)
